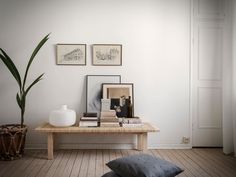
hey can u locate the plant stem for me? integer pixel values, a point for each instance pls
(22, 107)
(22, 118)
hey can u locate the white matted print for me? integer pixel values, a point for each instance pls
(118, 90)
(107, 54)
(71, 54)
(94, 90)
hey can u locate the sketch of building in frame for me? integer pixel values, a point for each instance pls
(107, 54)
(71, 54)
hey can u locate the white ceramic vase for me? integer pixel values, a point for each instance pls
(63, 117)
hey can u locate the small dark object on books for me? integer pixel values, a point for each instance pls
(129, 108)
(121, 111)
(90, 114)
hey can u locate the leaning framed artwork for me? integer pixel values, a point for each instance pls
(94, 90)
(71, 54)
(121, 96)
(107, 55)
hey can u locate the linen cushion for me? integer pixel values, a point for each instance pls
(143, 165)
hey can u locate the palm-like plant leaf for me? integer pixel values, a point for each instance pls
(18, 100)
(21, 96)
(11, 66)
(33, 83)
(41, 43)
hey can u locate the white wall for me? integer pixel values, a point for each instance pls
(233, 128)
(155, 35)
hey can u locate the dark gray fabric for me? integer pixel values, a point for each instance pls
(110, 174)
(143, 165)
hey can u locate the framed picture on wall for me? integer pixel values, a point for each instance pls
(94, 90)
(107, 54)
(71, 54)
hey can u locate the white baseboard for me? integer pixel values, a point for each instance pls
(170, 146)
(96, 146)
(83, 146)
(106, 146)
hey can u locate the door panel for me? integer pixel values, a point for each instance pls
(209, 51)
(207, 73)
(209, 108)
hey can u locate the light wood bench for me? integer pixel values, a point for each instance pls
(141, 133)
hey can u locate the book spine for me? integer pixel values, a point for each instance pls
(87, 124)
(132, 125)
(88, 120)
(138, 121)
(90, 114)
(108, 113)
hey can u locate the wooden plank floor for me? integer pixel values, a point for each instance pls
(91, 163)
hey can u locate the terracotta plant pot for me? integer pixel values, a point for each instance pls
(12, 141)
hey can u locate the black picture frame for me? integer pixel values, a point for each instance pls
(94, 90)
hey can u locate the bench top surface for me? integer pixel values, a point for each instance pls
(47, 128)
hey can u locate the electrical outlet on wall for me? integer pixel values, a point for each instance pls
(185, 140)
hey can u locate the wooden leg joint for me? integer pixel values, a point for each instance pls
(50, 146)
(142, 141)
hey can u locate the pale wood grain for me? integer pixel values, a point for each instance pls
(77, 164)
(43, 171)
(92, 163)
(142, 141)
(37, 164)
(85, 163)
(21, 165)
(99, 164)
(50, 145)
(55, 164)
(222, 169)
(187, 166)
(201, 162)
(70, 163)
(141, 132)
(47, 128)
(61, 166)
(106, 159)
(194, 167)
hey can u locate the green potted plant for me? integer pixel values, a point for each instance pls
(12, 136)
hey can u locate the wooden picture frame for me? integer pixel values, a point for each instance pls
(94, 90)
(71, 54)
(118, 92)
(107, 55)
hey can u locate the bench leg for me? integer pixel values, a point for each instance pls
(142, 142)
(50, 146)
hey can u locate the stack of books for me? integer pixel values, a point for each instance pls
(89, 120)
(109, 119)
(132, 122)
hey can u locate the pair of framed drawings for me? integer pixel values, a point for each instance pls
(102, 54)
(107, 87)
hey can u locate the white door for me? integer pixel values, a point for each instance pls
(208, 30)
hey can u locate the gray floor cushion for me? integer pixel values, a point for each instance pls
(110, 174)
(143, 165)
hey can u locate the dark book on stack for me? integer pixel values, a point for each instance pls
(89, 120)
(90, 114)
(109, 119)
